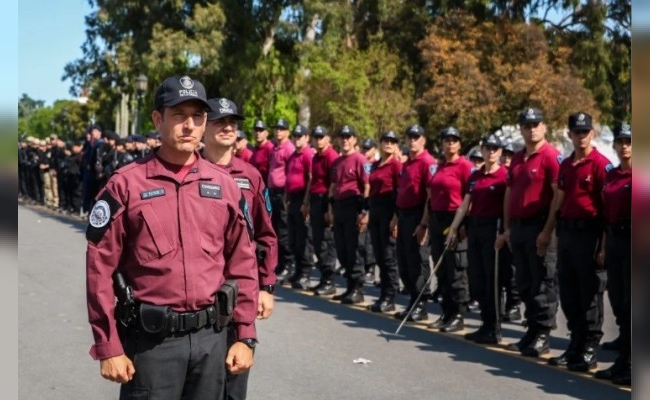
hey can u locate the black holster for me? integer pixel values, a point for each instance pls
(226, 300)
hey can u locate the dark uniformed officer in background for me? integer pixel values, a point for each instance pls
(315, 207)
(149, 223)
(616, 253)
(579, 231)
(263, 149)
(298, 172)
(276, 183)
(219, 139)
(349, 212)
(411, 200)
(365, 249)
(445, 192)
(529, 224)
(383, 181)
(483, 205)
(71, 178)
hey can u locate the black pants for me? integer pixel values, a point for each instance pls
(481, 234)
(188, 366)
(299, 235)
(72, 192)
(535, 277)
(365, 250)
(279, 220)
(346, 234)
(382, 210)
(619, 284)
(322, 236)
(412, 259)
(507, 281)
(451, 275)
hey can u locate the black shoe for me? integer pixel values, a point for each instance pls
(539, 346)
(474, 306)
(383, 305)
(347, 292)
(570, 355)
(455, 324)
(472, 335)
(355, 297)
(439, 323)
(609, 373)
(513, 314)
(324, 288)
(419, 313)
(524, 342)
(340, 271)
(282, 276)
(301, 284)
(369, 277)
(623, 377)
(490, 336)
(586, 360)
(614, 345)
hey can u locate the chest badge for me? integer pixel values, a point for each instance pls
(210, 190)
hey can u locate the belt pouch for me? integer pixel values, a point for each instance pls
(155, 319)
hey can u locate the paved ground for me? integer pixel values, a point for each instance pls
(307, 348)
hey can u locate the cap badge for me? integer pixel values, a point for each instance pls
(530, 113)
(581, 117)
(187, 82)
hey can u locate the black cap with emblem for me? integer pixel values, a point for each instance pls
(450, 132)
(347, 130)
(580, 121)
(178, 89)
(414, 130)
(223, 108)
(530, 116)
(475, 154)
(491, 140)
(319, 131)
(390, 135)
(259, 125)
(300, 130)
(241, 135)
(368, 144)
(281, 124)
(508, 147)
(622, 131)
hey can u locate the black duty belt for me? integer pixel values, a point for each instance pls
(191, 321)
(524, 222)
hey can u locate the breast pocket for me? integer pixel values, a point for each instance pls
(153, 240)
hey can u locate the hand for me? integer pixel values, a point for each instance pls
(239, 358)
(329, 219)
(265, 305)
(502, 239)
(543, 241)
(304, 209)
(422, 234)
(362, 221)
(393, 228)
(600, 258)
(118, 369)
(452, 239)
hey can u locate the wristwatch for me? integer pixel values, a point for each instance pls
(268, 288)
(251, 343)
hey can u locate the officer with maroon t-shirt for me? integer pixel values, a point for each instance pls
(298, 173)
(349, 190)
(241, 147)
(529, 223)
(277, 180)
(413, 254)
(263, 149)
(445, 193)
(483, 205)
(616, 253)
(579, 231)
(384, 179)
(315, 207)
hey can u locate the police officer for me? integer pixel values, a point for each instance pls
(141, 150)
(412, 251)
(298, 172)
(149, 223)
(616, 250)
(349, 211)
(445, 193)
(529, 223)
(220, 138)
(315, 207)
(263, 149)
(507, 153)
(71, 178)
(476, 158)
(483, 205)
(383, 180)
(579, 232)
(241, 147)
(366, 253)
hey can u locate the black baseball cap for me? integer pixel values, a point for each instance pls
(241, 134)
(390, 135)
(450, 132)
(508, 147)
(347, 130)
(319, 131)
(139, 138)
(580, 121)
(530, 116)
(259, 124)
(475, 153)
(282, 124)
(223, 108)
(415, 130)
(300, 130)
(368, 144)
(178, 89)
(491, 140)
(622, 131)
(110, 135)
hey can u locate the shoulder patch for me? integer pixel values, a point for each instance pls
(100, 216)
(243, 206)
(433, 168)
(267, 201)
(243, 183)
(367, 168)
(559, 158)
(609, 167)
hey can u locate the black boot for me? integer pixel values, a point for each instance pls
(538, 346)
(490, 336)
(614, 345)
(419, 312)
(623, 377)
(569, 356)
(512, 314)
(302, 283)
(586, 359)
(383, 304)
(617, 368)
(439, 323)
(324, 288)
(355, 297)
(369, 277)
(524, 342)
(350, 288)
(454, 324)
(472, 335)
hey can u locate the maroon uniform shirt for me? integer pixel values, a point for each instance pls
(412, 186)
(278, 163)
(530, 181)
(449, 183)
(175, 243)
(384, 178)
(582, 183)
(254, 190)
(260, 159)
(245, 154)
(320, 171)
(349, 176)
(617, 195)
(298, 170)
(487, 191)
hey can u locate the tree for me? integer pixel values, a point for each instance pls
(27, 106)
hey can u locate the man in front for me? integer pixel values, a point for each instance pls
(166, 338)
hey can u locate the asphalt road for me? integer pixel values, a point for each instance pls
(307, 349)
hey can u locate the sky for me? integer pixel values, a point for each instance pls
(50, 34)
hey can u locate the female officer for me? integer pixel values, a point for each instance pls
(617, 201)
(483, 204)
(383, 191)
(445, 193)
